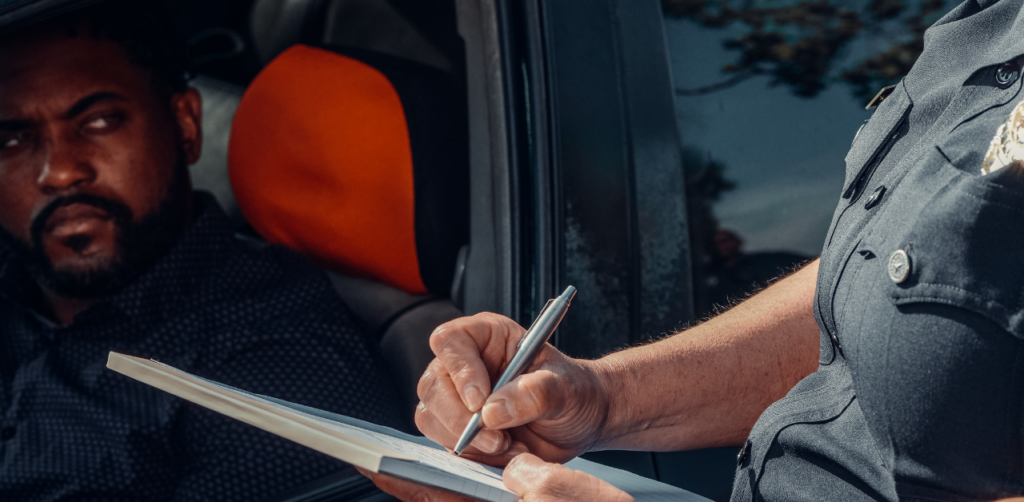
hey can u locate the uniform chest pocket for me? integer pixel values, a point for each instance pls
(962, 245)
(875, 134)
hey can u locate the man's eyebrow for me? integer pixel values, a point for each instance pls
(91, 100)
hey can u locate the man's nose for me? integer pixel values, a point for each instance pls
(65, 166)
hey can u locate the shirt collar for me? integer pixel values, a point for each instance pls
(975, 34)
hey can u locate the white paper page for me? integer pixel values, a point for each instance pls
(440, 459)
(437, 458)
(460, 473)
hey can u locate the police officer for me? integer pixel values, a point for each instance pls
(891, 369)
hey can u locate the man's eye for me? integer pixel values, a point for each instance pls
(103, 123)
(98, 123)
(12, 141)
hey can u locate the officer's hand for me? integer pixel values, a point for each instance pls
(409, 491)
(538, 481)
(526, 475)
(553, 410)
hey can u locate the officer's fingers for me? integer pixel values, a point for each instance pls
(498, 460)
(472, 349)
(460, 356)
(487, 442)
(485, 329)
(533, 396)
(432, 428)
(538, 481)
(409, 491)
(437, 392)
(431, 382)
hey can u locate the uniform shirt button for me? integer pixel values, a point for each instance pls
(7, 433)
(875, 197)
(835, 342)
(744, 454)
(899, 266)
(1007, 74)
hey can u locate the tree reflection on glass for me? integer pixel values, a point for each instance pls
(797, 45)
(726, 273)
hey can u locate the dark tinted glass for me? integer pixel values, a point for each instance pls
(769, 97)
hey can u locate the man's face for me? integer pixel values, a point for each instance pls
(91, 159)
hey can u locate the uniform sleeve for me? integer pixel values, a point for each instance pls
(323, 364)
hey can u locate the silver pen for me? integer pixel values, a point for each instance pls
(535, 338)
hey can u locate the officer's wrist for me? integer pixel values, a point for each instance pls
(615, 399)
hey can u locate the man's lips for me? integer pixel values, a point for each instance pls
(74, 219)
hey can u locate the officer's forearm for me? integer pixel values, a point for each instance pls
(708, 385)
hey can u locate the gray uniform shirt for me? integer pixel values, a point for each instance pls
(919, 393)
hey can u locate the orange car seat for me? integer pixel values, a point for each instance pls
(360, 162)
(362, 167)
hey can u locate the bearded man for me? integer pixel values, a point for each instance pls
(104, 246)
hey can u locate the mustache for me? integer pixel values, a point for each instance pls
(121, 213)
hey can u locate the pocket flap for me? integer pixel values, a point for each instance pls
(965, 249)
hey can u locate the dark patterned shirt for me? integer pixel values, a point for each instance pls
(252, 316)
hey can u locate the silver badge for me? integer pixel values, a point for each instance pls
(1008, 145)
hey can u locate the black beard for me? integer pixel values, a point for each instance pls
(140, 244)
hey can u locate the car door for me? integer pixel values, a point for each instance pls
(591, 189)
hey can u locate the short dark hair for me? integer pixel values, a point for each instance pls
(143, 30)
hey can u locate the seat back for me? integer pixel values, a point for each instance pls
(276, 25)
(359, 161)
(210, 173)
(381, 26)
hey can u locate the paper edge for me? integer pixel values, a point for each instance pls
(294, 427)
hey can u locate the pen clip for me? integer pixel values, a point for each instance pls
(539, 315)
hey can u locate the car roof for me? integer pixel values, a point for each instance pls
(15, 14)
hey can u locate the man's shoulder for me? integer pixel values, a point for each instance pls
(261, 262)
(283, 331)
(249, 293)
(275, 281)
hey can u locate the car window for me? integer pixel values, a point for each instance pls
(769, 96)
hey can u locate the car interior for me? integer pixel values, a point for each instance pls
(374, 186)
(396, 137)
(244, 50)
(441, 157)
(452, 162)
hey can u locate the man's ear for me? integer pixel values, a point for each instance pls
(188, 111)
